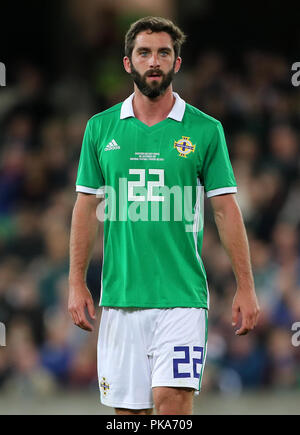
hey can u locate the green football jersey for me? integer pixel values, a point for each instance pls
(154, 179)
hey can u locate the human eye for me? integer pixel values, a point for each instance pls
(144, 53)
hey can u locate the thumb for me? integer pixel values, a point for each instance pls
(91, 308)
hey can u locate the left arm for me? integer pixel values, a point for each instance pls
(233, 236)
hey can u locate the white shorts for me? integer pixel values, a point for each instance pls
(139, 349)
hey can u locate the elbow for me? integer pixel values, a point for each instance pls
(228, 210)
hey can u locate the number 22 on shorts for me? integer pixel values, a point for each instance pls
(186, 360)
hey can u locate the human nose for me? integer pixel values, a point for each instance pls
(154, 61)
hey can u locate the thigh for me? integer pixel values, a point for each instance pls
(124, 411)
(179, 348)
(123, 366)
(173, 401)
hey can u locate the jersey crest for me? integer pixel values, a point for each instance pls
(184, 146)
(104, 386)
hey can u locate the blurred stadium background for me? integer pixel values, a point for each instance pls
(63, 63)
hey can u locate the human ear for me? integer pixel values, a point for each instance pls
(127, 64)
(178, 63)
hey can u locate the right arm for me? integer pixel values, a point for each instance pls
(84, 229)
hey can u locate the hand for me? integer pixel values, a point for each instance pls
(79, 298)
(245, 304)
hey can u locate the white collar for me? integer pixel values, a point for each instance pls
(176, 113)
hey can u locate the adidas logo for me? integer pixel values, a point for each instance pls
(112, 146)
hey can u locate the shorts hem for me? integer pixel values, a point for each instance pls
(172, 384)
(128, 405)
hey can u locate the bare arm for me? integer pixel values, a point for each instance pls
(84, 229)
(233, 236)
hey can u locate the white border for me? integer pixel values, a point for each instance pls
(197, 217)
(85, 189)
(221, 191)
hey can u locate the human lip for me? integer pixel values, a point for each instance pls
(154, 76)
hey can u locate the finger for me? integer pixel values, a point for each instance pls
(80, 319)
(252, 320)
(255, 319)
(242, 331)
(257, 316)
(86, 326)
(74, 316)
(84, 323)
(245, 326)
(235, 315)
(91, 308)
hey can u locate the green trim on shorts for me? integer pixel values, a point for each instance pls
(205, 350)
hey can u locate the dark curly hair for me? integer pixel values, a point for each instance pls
(154, 24)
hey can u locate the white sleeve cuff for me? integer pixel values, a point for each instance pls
(84, 189)
(221, 191)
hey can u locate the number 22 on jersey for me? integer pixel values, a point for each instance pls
(141, 183)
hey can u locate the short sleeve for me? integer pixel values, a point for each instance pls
(217, 172)
(89, 175)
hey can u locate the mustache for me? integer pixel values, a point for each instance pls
(156, 88)
(154, 71)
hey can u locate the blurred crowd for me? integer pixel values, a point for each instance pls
(42, 125)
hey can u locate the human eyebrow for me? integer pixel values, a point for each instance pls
(165, 49)
(141, 49)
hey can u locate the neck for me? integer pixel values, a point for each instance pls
(152, 110)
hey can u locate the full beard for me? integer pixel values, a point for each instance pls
(155, 88)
